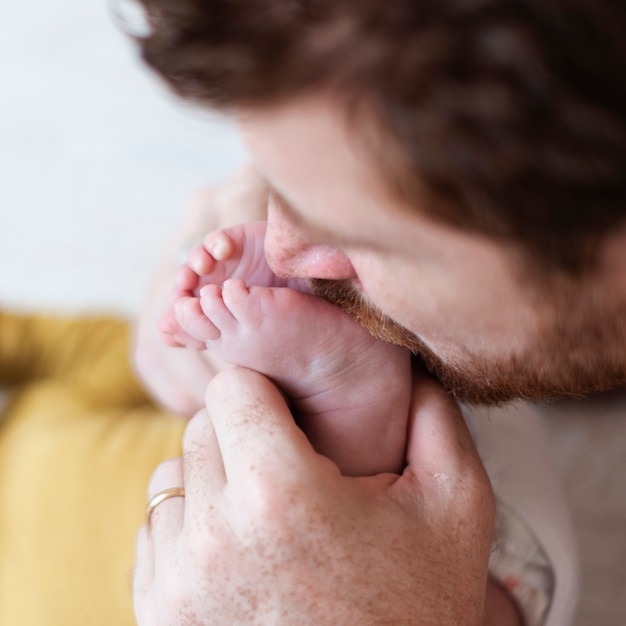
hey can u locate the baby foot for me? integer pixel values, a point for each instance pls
(349, 391)
(339, 378)
(249, 325)
(235, 252)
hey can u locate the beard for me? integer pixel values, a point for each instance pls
(570, 357)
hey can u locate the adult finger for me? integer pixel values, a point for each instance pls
(443, 459)
(177, 378)
(143, 572)
(166, 518)
(254, 427)
(444, 476)
(203, 468)
(439, 440)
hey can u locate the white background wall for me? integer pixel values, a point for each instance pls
(97, 159)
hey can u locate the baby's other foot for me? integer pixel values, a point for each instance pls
(235, 252)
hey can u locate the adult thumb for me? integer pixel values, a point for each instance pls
(440, 449)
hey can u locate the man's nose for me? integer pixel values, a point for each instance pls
(291, 254)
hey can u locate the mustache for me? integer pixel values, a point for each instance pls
(347, 297)
(471, 380)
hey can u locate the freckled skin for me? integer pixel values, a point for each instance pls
(284, 519)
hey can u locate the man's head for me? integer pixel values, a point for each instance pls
(461, 164)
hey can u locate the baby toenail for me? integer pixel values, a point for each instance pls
(220, 249)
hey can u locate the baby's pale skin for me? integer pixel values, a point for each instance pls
(338, 378)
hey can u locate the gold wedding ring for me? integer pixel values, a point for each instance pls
(172, 492)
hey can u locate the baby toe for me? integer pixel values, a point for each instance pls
(200, 261)
(219, 245)
(185, 279)
(194, 322)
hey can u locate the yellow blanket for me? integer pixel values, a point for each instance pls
(78, 443)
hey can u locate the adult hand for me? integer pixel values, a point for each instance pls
(178, 378)
(270, 532)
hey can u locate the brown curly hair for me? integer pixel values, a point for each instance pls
(510, 113)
